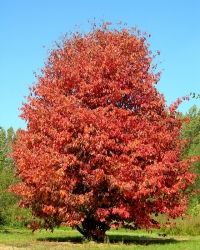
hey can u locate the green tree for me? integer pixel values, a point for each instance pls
(3, 148)
(7, 200)
(6, 140)
(191, 131)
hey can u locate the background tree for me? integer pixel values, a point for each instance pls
(101, 148)
(191, 131)
(7, 200)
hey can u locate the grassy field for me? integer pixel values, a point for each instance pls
(70, 239)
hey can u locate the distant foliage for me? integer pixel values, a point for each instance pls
(7, 200)
(191, 132)
(101, 148)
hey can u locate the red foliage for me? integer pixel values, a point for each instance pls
(101, 148)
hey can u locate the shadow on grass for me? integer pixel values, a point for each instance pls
(73, 239)
(122, 238)
(139, 240)
(111, 238)
(11, 231)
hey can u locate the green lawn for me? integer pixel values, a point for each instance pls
(71, 239)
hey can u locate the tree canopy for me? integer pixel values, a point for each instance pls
(101, 148)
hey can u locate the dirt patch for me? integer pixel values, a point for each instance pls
(46, 245)
(4, 247)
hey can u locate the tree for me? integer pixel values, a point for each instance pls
(7, 138)
(7, 199)
(191, 132)
(3, 148)
(101, 148)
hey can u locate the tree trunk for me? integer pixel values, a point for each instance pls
(92, 229)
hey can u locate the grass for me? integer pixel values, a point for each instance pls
(71, 239)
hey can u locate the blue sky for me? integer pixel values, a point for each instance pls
(27, 26)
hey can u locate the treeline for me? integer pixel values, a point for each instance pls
(191, 131)
(7, 199)
(9, 202)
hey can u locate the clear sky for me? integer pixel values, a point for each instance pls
(28, 25)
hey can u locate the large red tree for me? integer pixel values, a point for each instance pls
(101, 148)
